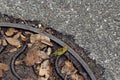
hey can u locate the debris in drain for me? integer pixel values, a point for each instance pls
(10, 32)
(3, 68)
(61, 51)
(4, 42)
(37, 61)
(13, 50)
(14, 42)
(37, 55)
(44, 70)
(40, 38)
(70, 71)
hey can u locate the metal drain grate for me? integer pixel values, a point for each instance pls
(70, 55)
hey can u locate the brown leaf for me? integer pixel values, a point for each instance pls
(41, 45)
(32, 38)
(23, 38)
(14, 42)
(44, 70)
(42, 54)
(49, 51)
(45, 40)
(31, 57)
(4, 43)
(17, 35)
(26, 32)
(68, 64)
(76, 77)
(68, 68)
(10, 32)
(13, 50)
(1, 73)
(35, 56)
(18, 62)
(30, 44)
(0, 42)
(4, 67)
(40, 38)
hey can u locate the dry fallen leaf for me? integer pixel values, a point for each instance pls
(10, 32)
(1, 73)
(44, 71)
(16, 36)
(26, 32)
(4, 67)
(68, 68)
(14, 42)
(18, 62)
(35, 56)
(23, 38)
(42, 54)
(41, 45)
(46, 40)
(13, 50)
(32, 38)
(68, 64)
(4, 43)
(30, 45)
(40, 38)
(76, 77)
(31, 57)
(49, 51)
(0, 42)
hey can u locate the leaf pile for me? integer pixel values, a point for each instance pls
(37, 55)
(70, 70)
(14, 38)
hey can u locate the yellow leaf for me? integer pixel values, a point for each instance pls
(61, 51)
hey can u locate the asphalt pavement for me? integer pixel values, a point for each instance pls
(94, 23)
